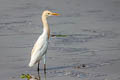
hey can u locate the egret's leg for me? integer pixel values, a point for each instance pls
(38, 68)
(44, 57)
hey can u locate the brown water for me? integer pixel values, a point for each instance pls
(90, 52)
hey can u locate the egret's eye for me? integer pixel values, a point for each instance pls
(48, 13)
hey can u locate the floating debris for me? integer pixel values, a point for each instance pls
(67, 73)
(80, 66)
(83, 65)
(29, 77)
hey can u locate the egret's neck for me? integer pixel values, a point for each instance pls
(46, 28)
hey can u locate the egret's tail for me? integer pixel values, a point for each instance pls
(34, 59)
(32, 63)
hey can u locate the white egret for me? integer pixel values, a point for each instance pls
(40, 47)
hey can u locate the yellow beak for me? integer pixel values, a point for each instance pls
(56, 14)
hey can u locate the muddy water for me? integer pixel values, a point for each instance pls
(90, 52)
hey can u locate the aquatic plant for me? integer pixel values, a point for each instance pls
(25, 76)
(59, 35)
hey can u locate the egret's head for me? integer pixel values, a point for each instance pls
(47, 13)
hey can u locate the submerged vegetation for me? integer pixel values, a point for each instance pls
(59, 35)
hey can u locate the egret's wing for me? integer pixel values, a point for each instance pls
(37, 46)
(38, 50)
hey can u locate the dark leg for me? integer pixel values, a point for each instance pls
(45, 68)
(44, 57)
(38, 67)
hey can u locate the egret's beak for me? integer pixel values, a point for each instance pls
(56, 14)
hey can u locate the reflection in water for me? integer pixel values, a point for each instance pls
(34, 78)
(45, 75)
(38, 77)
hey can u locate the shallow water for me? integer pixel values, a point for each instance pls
(93, 38)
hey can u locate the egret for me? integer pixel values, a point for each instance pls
(40, 47)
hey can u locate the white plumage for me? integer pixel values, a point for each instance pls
(40, 47)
